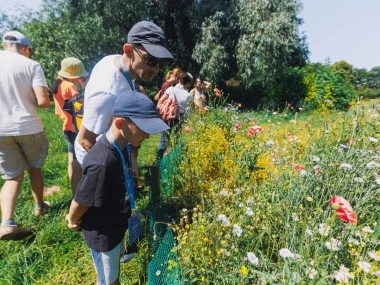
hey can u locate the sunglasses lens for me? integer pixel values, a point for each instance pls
(152, 61)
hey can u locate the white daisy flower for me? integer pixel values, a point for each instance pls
(333, 244)
(223, 219)
(237, 230)
(286, 253)
(252, 258)
(365, 266)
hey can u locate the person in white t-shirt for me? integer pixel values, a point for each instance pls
(144, 54)
(183, 98)
(23, 143)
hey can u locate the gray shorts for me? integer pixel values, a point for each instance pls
(18, 153)
(107, 264)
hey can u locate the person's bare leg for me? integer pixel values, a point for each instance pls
(8, 196)
(37, 184)
(75, 173)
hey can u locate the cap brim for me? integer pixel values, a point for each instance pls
(150, 125)
(157, 51)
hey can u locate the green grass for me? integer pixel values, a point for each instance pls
(58, 255)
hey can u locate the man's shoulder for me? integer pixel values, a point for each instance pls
(107, 60)
(15, 57)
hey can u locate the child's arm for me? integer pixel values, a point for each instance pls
(75, 214)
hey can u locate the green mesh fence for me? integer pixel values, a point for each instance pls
(169, 167)
(163, 266)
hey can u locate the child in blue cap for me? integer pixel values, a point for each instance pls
(104, 199)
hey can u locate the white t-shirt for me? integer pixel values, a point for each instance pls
(18, 109)
(105, 84)
(182, 96)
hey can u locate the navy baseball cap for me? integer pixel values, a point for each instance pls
(151, 37)
(14, 37)
(141, 110)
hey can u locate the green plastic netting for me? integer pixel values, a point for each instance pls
(163, 266)
(169, 167)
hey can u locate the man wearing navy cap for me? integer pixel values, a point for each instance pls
(23, 143)
(103, 202)
(145, 53)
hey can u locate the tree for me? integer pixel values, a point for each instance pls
(361, 77)
(326, 89)
(345, 70)
(254, 42)
(268, 38)
(374, 78)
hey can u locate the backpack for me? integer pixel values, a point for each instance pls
(168, 108)
(75, 109)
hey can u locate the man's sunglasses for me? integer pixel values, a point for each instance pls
(151, 60)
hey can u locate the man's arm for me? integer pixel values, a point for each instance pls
(42, 97)
(86, 138)
(75, 214)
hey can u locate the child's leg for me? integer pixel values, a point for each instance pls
(107, 265)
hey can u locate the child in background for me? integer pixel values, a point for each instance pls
(72, 70)
(105, 195)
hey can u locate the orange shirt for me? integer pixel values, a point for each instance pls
(66, 90)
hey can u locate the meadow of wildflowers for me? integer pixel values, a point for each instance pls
(279, 198)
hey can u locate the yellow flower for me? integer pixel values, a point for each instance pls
(243, 270)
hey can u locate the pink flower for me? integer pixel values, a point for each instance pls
(217, 92)
(187, 129)
(343, 209)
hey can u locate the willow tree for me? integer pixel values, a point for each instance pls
(264, 36)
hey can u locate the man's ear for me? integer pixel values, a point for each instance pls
(127, 49)
(119, 122)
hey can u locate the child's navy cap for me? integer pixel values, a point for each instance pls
(141, 110)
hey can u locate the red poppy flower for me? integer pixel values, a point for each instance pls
(217, 92)
(237, 126)
(255, 129)
(187, 129)
(251, 132)
(239, 105)
(299, 167)
(350, 142)
(343, 209)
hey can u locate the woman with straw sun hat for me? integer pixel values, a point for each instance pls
(72, 71)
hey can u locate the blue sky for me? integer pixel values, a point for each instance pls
(339, 29)
(343, 30)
